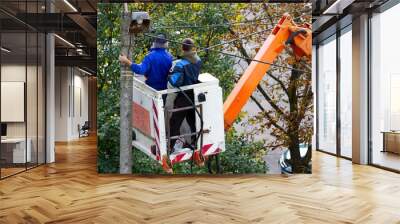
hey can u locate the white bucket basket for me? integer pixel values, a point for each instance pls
(150, 120)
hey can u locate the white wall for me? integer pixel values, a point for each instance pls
(10, 73)
(17, 73)
(71, 94)
(33, 126)
(61, 103)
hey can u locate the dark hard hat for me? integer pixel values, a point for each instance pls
(160, 39)
(187, 44)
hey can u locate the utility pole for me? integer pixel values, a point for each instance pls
(131, 24)
(126, 80)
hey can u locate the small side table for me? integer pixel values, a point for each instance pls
(391, 141)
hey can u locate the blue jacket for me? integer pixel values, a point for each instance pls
(155, 67)
(185, 71)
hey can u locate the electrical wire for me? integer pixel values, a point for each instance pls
(222, 24)
(234, 40)
(232, 55)
(263, 62)
(205, 26)
(212, 46)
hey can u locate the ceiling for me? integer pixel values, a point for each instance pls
(74, 22)
(329, 15)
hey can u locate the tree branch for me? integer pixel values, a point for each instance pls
(278, 81)
(267, 12)
(208, 45)
(274, 123)
(258, 103)
(240, 46)
(274, 146)
(305, 102)
(270, 101)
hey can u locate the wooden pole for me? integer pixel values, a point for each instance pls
(126, 79)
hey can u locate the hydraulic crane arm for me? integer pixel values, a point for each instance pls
(285, 32)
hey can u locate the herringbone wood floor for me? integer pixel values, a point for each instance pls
(71, 191)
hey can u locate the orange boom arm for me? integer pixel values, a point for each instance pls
(286, 30)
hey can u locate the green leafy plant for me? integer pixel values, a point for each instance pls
(242, 155)
(108, 88)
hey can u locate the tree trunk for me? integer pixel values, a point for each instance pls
(294, 148)
(125, 159)
(294, 125)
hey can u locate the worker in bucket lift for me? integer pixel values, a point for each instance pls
(184, 71)
(155, 65)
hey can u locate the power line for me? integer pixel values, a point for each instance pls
(234, 40)
(222, 24)
(217, 25)
(206, 26)
(231, 55)
(263, 62)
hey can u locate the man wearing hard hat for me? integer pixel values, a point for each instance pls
(155, 65)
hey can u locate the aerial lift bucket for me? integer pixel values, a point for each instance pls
(152, 109)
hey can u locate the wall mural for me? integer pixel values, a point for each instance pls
(215, 89)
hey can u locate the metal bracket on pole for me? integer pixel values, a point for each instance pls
(140, 22)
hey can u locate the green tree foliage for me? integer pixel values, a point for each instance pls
(242, 155)
(108, 87)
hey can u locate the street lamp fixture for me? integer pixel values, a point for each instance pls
(140, 22)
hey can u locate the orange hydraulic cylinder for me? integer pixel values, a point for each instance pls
(255, 72)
